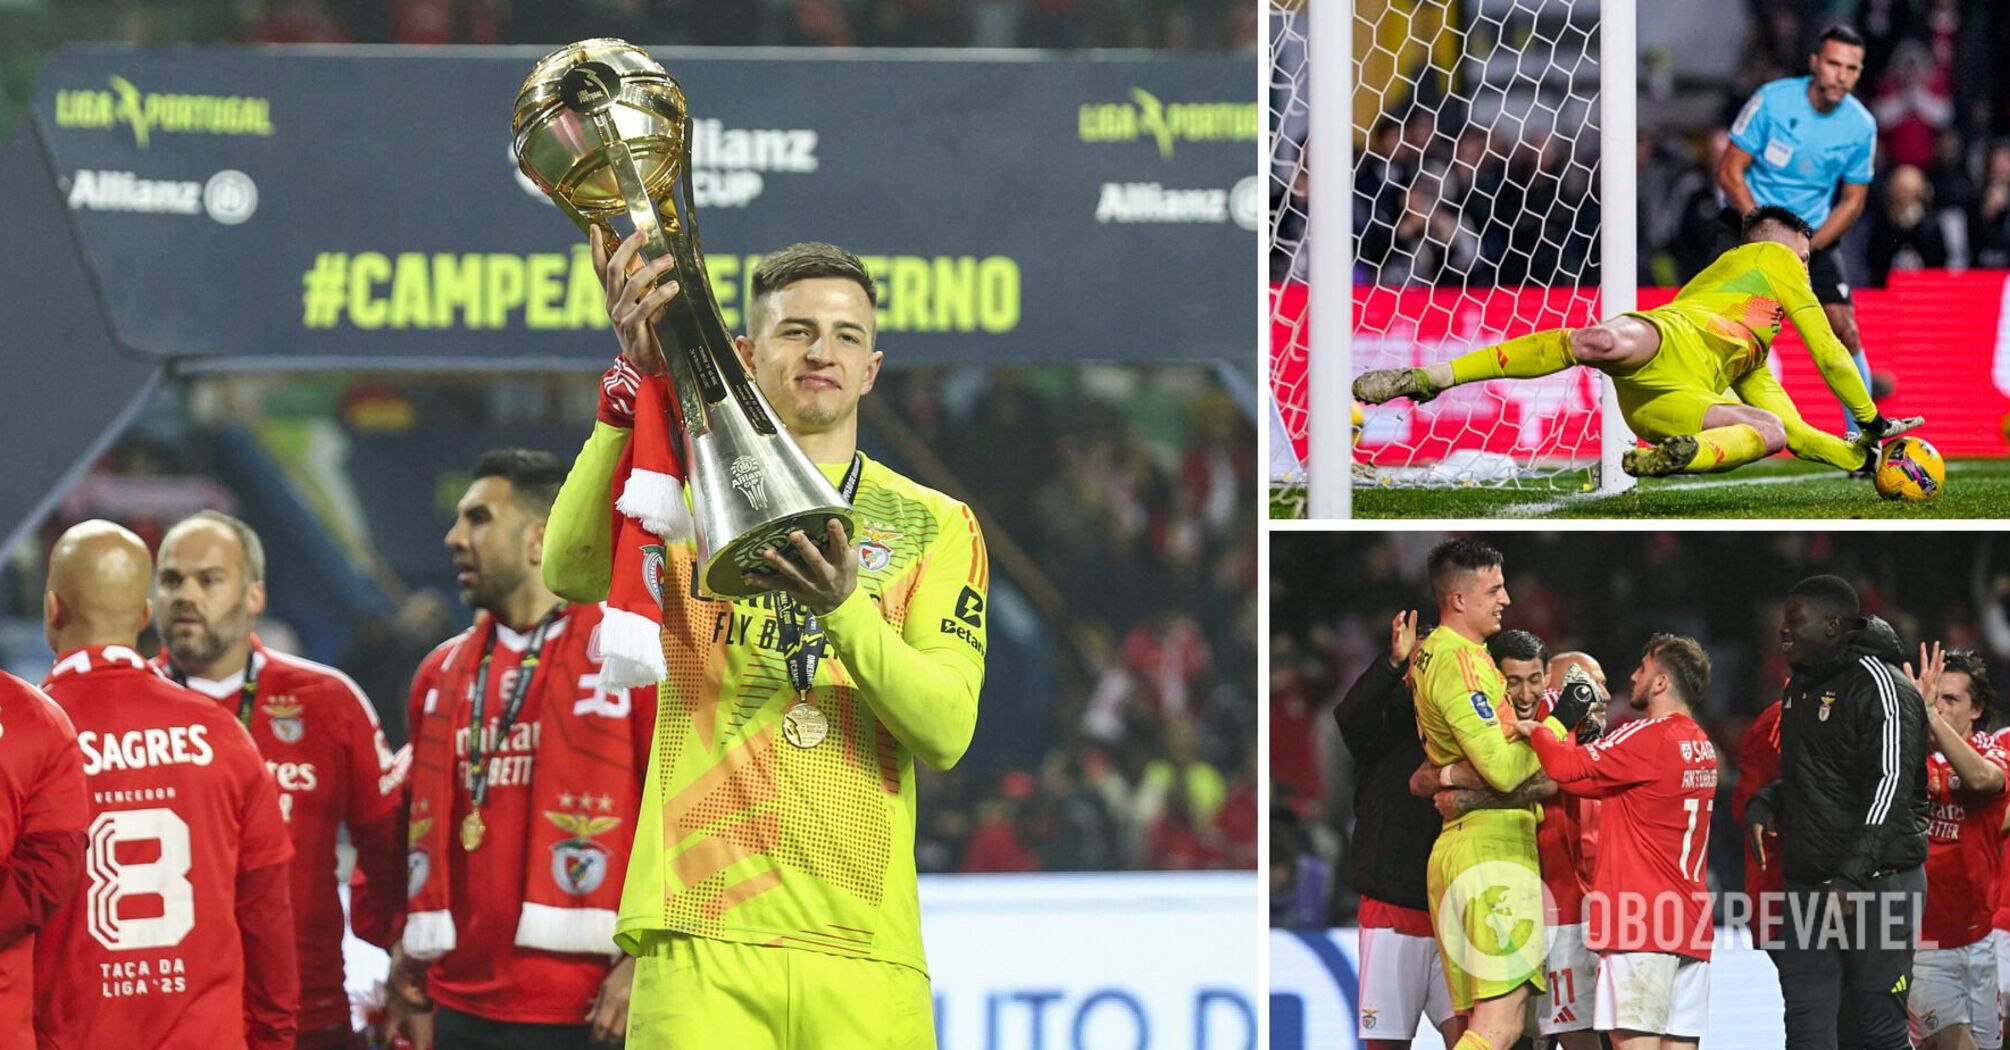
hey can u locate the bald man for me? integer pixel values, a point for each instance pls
(183, 935)
(1593, 727)
(42, 820)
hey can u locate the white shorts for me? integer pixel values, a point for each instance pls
(2002, 941)
(1401, 977)
(1572, 970)
(1663, 994)
(1956, 986)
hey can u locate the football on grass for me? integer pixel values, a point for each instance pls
(1910, 470)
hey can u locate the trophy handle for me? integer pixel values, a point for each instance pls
(694, 376)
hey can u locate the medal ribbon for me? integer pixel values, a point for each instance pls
(801, 635)
(478, 756)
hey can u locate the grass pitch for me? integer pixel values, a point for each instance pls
(1776, 488)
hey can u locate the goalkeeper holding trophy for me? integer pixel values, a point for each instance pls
(816, 621)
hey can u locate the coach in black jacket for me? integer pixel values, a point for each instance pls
(1851, 808)
(1391, 844)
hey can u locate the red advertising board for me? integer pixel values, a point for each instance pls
(1943, 339)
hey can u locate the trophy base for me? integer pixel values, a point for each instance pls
(723, 574)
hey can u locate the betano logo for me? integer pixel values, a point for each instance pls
(149, 112)
(1146, 117)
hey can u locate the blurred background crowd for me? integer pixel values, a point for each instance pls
(1485, 176)
(1332, 598)
(1118, 719)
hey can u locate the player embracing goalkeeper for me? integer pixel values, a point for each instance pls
(1691, 375)
(1648, 913)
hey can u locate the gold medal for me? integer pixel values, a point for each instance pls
(804, 725)
(472, 830)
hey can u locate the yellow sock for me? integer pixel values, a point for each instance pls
(1472, 1041)
(1823, 447)
(1723, 448)
(1525, 358)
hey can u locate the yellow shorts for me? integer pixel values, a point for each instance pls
(697, 992)
(1670, 393)
(1487, 907)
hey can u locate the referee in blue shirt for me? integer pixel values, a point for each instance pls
(1791, 144)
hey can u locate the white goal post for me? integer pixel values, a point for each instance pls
(1459, 131)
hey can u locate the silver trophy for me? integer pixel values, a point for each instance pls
(603, 130)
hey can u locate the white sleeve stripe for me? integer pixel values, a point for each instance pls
(1887, 785)
(1745, 115)
(1621, 734)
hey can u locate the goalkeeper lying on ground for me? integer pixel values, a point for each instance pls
(1692, 375)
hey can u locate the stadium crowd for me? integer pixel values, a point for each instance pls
(1599, 593)
(1941, 197)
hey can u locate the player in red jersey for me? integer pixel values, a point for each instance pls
(1648, 912)
(1765, 879)
(183, 933)
(1588, 730)
(42, 821)
(316, 729)
(509, 936)
(1999, 893)
(1954, 999)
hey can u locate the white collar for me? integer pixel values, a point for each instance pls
(224, 688)
(518, 641)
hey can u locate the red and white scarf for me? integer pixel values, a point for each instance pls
(650, 515)
(584, 795)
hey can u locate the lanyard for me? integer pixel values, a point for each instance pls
(246, 693)
(802, 637)
(478, 756)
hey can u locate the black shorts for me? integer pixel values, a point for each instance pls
(1825, 265)
(1825, 269)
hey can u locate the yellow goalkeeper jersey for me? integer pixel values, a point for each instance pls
(1738, 303)
(743, 835)
(1459, 695)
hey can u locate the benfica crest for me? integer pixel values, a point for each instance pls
(286, 724)
(579, 864)
(875, 547)
(418, 863)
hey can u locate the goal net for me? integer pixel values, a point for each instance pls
(1477, 196)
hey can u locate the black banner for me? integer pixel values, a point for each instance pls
(281, 208)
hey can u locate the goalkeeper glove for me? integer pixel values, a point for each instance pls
(1589, 730)
(617, 395)
(1574, 700)
(1881, 429)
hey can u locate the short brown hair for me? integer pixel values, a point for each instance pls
(1454, 556)
(808, 261)
(1685, 661)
